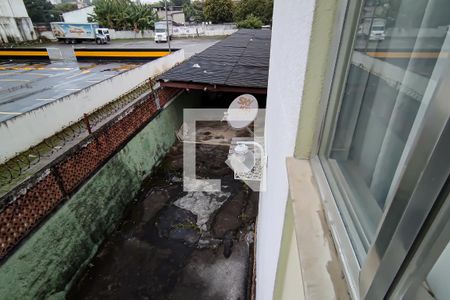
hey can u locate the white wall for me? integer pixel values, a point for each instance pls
(178, 31)
(65, 111)
(129, 34)
(288, 56)
(15, 25)
(79, 15)
(13, 8)
(204, 30)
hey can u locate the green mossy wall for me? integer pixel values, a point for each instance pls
(44, 266)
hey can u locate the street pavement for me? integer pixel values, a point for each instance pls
(191, 46)
(25, 86)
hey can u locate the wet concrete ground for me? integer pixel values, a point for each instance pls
(25, 86)
(180, 245)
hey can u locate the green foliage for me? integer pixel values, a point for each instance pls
(65, 7)
(39, 11)
(123, 15)
(218, 11)
(61, 8)
(262, 9)
(194, 11)
(178, 2)
(251, 21)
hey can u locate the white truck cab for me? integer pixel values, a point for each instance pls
(378, 30)
(102, 35)
(161, 34)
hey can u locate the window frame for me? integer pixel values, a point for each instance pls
(367, 279)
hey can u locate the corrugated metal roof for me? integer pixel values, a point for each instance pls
(240, 60)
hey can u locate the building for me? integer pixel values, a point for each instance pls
(15, 24)
(174, 13)
(357, 136)
(79, 15)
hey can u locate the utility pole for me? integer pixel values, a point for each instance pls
(167, 26)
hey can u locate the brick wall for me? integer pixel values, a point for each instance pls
(34, 200)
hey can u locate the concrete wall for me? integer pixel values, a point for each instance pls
(130, 34)
(79, 15)
(13, 8)
(176, 16)
(15, 25)
(178, 31)
(289, 282)
(69, 109)
(319, 65)
(43, 267)
(204, 30)
(288, 56)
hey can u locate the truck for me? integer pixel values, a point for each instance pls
(161, 31)
(375, 29)
(72, 33)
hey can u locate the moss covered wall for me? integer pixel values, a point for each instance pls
(45, 264)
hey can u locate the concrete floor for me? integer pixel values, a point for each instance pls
(180, 245)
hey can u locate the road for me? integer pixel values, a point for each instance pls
(190, 46)
(28, 86)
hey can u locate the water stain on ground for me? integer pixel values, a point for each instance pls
(180, 245)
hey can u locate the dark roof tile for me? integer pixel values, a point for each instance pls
(241, 59)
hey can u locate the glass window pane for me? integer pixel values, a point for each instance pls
(395, 66)
(437, 279)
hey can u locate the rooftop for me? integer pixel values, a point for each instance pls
(239, 63)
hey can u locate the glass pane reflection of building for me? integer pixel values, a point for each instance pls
(393, 71)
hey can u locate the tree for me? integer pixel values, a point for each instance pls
(194, 11)
(61, 8)
(218, 11)
(262, 9)
(39, 11)
(123, 15)
(251, 21)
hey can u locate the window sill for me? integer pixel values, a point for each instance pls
(321, 271)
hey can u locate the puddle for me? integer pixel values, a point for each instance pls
(180, 245)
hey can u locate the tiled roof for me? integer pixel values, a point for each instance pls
(240, 60)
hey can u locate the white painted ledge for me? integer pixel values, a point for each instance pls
(29, 129)
(322, 274)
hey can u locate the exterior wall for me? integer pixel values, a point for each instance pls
(289, 282)
(130, 34)
(288, 57)
(44, 266)
(67, 110)
(15, 25)
(176, 16)
(78, 16)
(179, 31)
(318, 68)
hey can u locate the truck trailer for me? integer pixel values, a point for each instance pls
(72, 33)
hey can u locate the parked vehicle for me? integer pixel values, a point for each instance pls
(72, 33)
(161, 31)
(375, 29)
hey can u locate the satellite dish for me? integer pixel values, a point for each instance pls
(242, 111)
